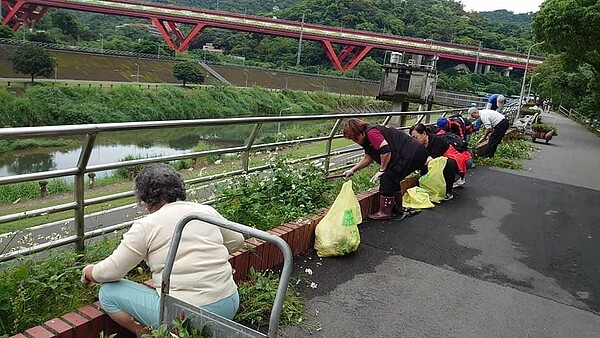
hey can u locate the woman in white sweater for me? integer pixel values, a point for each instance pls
(201, 274)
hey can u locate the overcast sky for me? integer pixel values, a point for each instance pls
(515, 6)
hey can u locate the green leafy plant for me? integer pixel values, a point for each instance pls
(181, 328)
(267, 201)
(257, 296)
(544, 128)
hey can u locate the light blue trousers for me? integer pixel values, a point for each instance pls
(143, 302)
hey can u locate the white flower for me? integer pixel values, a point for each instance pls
(308, 271)
(313, 285)
(218, 161)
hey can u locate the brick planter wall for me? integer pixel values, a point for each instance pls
(90, 320)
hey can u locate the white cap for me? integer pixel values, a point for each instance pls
(472, 110)
(501, 100)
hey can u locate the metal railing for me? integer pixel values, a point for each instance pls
(577, 116)
(90, 133)
(458, 99)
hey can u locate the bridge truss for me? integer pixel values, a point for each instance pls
(355, 45)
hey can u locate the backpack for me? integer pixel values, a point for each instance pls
(456, 141)
(460, 126)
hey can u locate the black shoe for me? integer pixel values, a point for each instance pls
(448, 197)
(409, 213)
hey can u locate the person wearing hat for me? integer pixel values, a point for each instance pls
(496, 102)
(495, 125)
(442, 125)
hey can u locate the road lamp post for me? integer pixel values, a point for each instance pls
(101, 42)
(137, 74)
(279, 124)
(524, 78)
(55, 68)
(530, 82)
(286, 82)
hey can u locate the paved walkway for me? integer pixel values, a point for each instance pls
(516, 254)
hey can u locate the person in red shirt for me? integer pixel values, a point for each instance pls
(456, 166)
(397, 154)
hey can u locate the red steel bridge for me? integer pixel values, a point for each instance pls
(355, 44)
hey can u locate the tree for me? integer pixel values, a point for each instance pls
(570, 27)
(6, 33)
(188, 72)
(33, 60)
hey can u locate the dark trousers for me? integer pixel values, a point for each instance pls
(495, 138)
(450, 172)
(389, 183)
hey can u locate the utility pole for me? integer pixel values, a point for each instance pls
(300, 42)
(524, 78)
(477, 61)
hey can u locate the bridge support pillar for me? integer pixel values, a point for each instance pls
(506, 71)
(486, 69)
(478, 68)
(399, 121)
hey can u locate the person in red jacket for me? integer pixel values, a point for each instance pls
(456, 166)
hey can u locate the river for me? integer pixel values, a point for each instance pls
(114, 147)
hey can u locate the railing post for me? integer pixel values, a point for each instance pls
(251, 139)
(79, 179)
(92, 179)
(332, 133)
(43, 188)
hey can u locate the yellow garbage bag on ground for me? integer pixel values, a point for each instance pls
(337, 233)
(433, 182)
(416, 198)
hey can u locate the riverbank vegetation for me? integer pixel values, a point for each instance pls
(47, 105)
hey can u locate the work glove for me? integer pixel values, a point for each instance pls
(376, 176)
(348, 173)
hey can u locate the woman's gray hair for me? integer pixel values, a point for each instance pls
(159, 182)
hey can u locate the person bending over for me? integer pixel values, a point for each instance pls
(456, 165)
(495, 125)
(496, 102)
(397, 154)
(201, 276)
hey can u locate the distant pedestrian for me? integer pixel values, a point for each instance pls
(495, 125)
(496, 102)
(398, 156)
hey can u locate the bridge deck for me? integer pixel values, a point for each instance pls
(516, 254)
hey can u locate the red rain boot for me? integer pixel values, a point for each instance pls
(385, 208)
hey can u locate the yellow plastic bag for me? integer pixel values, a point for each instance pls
(337, 233)
(433, 182)
(416, 198)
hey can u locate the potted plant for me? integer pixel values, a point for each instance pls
(542, 131)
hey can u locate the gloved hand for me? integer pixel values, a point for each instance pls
(376, 176)
(348, 173)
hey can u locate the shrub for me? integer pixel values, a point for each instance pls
(544, 128)
(267, 201)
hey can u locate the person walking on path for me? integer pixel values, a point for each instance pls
(397, 154)
(201, 276)
(495, 125)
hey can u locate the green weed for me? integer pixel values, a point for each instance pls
(257, 296)
(266, 201)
